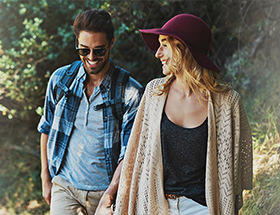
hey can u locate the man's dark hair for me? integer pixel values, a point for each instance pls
(94, 20)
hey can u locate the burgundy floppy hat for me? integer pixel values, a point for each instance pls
(192, 31)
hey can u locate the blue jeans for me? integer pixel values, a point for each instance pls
(185, 206)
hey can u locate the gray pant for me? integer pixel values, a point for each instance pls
(185, 206)
(67, 200)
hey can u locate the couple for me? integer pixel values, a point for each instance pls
(184, 147)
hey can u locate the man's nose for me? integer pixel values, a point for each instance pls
(91, 55)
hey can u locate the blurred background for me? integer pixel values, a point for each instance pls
(36, 38)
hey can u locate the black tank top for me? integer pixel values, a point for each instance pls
(184, 159)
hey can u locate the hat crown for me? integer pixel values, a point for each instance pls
(190, 30)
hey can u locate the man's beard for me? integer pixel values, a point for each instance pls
(94, 71)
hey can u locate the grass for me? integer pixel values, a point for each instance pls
(264, 198)
(263, 110)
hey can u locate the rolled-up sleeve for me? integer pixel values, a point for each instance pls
(45, 123)
(134, 92)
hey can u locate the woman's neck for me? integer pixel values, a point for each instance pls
(184, 90)
(182, 87)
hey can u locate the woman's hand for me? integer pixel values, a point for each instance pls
(105, 205)
(108, 199)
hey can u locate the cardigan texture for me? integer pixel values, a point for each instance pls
(228, 162)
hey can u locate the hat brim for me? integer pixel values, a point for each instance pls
(150, 37)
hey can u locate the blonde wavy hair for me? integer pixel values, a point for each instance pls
(196, 77)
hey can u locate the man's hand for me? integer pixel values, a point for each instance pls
(105, 205)
(108, 198)
(46, 190)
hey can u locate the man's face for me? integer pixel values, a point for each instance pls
(93, 63)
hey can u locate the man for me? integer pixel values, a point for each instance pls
(83, 146)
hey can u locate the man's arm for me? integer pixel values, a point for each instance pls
(45, 174)
(133, 100)
(109, 196)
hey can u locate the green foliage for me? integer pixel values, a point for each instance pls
(20, 182)
(35, 35)
(235, 67)
(37, 38)
(21, 51)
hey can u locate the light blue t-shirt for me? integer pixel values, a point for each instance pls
(84, 162)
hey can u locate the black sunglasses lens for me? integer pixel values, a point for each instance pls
(84, 52)
(99, 52)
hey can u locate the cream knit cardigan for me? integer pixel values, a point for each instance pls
(228, 163)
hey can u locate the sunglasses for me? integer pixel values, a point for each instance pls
(96, 51)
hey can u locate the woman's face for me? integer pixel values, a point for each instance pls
(164, 53)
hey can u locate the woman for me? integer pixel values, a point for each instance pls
(190, 147)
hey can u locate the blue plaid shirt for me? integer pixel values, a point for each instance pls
(58, 119)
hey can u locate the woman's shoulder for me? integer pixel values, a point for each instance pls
(229, 96)
(153, 84)
(231, 93)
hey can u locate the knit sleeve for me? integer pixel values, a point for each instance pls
(125, 190)
(141, 189)
(233, 139)
(243, 155)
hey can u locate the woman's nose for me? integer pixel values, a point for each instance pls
(158, 53)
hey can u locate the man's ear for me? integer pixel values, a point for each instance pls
(112, 42)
